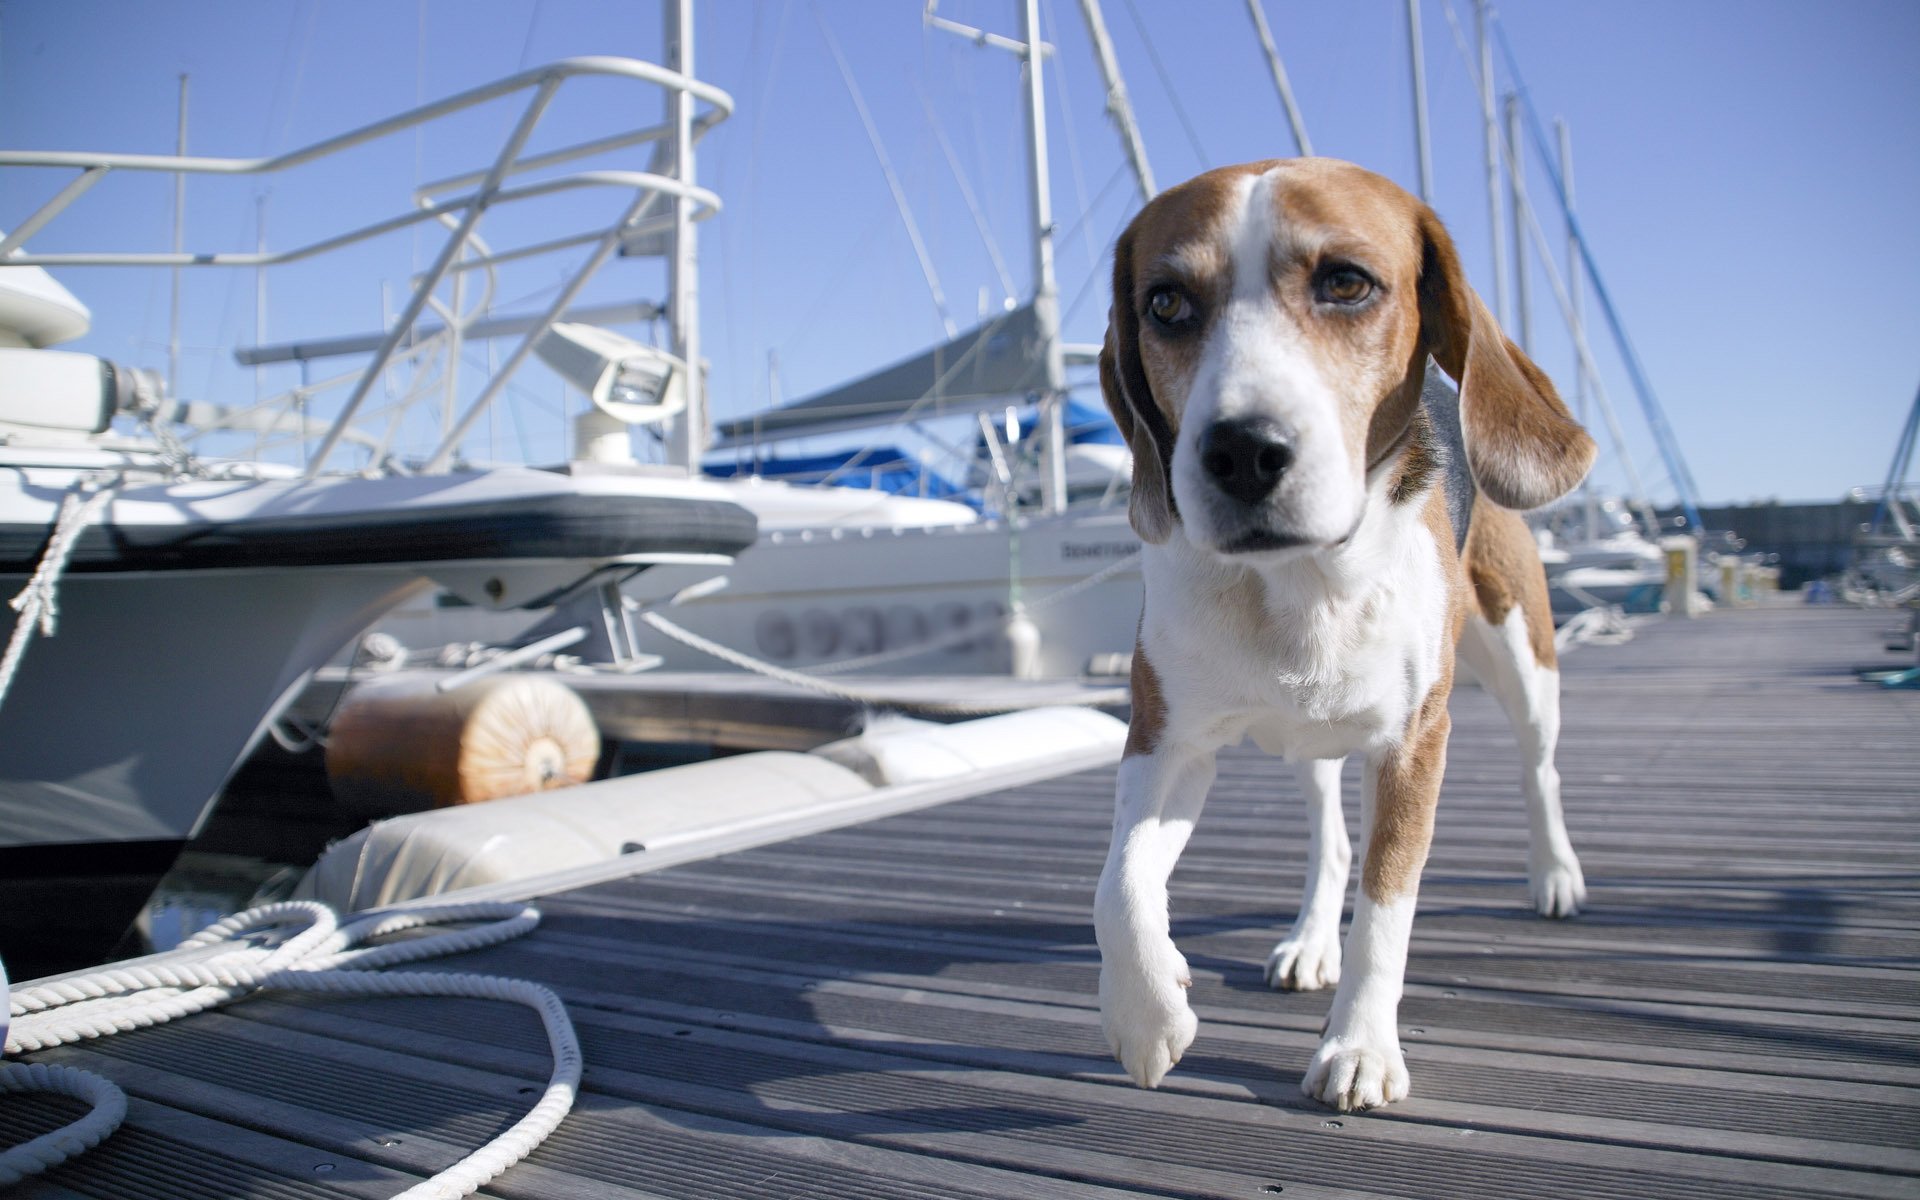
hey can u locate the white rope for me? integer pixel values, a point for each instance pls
(38, 602)
(324, 957)
(1599, 625)
(968, 633)
(747, 662)
(813, 682)
(51, 1149)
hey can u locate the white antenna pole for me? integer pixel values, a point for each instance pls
(1046, 293)
(689, 441)
(179, 247)
(1300, 141)
(1118, 106)
(1494, 223)
(1423, 144)
(259, 302)
(1574, 291)
(1516, 182)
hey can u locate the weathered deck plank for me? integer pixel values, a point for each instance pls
(906, 1009)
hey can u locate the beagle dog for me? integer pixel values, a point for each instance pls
(1326, 527)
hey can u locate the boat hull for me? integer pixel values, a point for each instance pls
(801, 598)
(193, 613)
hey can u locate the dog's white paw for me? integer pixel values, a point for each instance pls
(1350, 1074)
(1558, 887)
(1145, 1014)
(1305, 962)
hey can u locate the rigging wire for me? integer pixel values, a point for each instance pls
(1166, 84)
(1093, 277)
(1280, 81)
(854, 253)
(886, 167)
(1059, 73)
(526, 40)
(762, 101)
(1663, 434)
(1582, 350)
(967, 194)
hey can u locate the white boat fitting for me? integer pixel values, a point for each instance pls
(178, 602)
(535, 844)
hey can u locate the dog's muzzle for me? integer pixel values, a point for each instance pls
(1246, 457)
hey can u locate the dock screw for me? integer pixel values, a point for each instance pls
(322, 1168)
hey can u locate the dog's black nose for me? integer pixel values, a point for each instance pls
(1245, 458)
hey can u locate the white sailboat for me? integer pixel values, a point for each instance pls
(171, 605)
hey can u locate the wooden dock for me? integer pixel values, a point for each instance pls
(906, 1009)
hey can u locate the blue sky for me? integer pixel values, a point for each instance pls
(1747, 171)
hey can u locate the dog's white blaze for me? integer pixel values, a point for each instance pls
(1255, 363)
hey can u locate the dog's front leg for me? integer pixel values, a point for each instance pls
(1359, 1064)
(1308, 958)
(1143, 977)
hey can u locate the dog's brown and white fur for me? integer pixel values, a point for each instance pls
(1303, 585)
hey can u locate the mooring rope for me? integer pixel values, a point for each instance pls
(954, 637)
(323, 957)
(38, 602)
(813, 680)
(748, 662)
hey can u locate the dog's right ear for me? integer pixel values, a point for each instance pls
(1123, 381)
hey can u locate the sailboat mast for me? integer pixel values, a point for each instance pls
(1046, 292)
(1574, 290)
(1299, 126)
(1492, 123)
(1118, 106)
(1423, 145)
(1516, 182)
(691, 431)
(179, 247)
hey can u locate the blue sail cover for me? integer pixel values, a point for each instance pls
(885, 469)
(1084, 424)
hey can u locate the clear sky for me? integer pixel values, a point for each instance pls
(1748, 171)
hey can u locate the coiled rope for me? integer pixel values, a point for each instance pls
(323, 957)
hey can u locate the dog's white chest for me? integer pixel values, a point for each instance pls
(1346, 680)
(1307, 663)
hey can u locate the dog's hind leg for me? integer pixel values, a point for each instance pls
(1308, 958)
(1503, 657)
(1143, 976)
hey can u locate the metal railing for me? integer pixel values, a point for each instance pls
(460, 212)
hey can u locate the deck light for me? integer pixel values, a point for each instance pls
(630, 381)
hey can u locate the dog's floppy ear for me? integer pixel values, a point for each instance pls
(1523, 447)
(1123, 381)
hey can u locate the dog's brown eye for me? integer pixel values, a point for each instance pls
(1344, 285)
(1169, 307)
